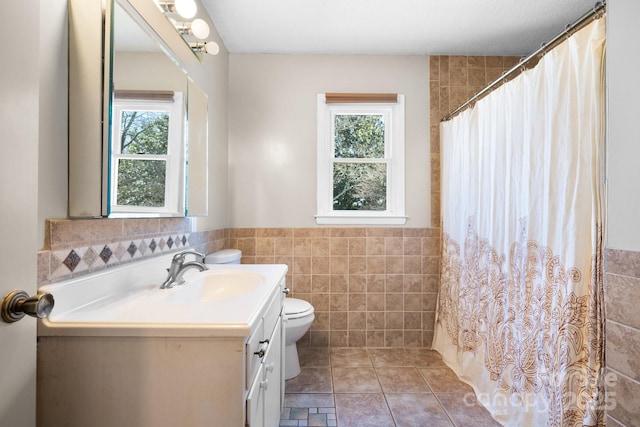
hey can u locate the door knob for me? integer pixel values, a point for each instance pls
(18, 303)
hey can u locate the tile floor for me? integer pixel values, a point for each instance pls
(386, 387)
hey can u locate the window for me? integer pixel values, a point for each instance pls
(147, 157)
(360, 160)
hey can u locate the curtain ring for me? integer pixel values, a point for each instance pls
(597, 6)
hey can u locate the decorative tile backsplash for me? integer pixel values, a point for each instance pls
(75, 247)
(87, 258)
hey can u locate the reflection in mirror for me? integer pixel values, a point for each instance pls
(197, 166)
(128, 114)
(146, 162)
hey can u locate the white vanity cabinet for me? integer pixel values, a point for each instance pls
(265, 370)
(99, 372)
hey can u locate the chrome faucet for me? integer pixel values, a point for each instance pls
(178, 268)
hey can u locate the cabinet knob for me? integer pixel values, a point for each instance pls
(264, 384)
(286, 291)
(260, 353)
(270, 367)
(18, 303)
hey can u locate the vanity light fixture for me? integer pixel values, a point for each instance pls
(185, 8)
(180, 13)
(198, 28)
(210, 47)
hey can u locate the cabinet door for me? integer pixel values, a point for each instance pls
(255, 401)
(273, 378)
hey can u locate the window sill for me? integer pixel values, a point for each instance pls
(361, 219)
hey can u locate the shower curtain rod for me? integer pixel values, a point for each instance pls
(596, 12)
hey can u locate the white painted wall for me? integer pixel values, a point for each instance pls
(623, 138)
(272, 131)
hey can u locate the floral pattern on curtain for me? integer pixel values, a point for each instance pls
(520, 307)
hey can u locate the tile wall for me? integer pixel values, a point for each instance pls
(622, 294)
(374, 287)
(370, 287)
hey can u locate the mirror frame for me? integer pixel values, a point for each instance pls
(89, 93)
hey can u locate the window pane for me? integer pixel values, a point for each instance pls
(144, 132)
(359, 136)
(141, 182)
(359, 186)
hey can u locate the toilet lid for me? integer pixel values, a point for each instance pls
(294, 307)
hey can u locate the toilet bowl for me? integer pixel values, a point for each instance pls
(299, 316)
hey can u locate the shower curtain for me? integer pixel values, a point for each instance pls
(520, 308)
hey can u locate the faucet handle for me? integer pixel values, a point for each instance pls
(181, 255)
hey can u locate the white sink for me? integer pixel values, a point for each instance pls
(214, 285)
(126, 300)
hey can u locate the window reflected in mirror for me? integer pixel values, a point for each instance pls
(146, 152)
(146, 171)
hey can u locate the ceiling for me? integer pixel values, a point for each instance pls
(400, 27)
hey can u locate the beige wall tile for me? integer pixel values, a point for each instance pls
(320, 265)
(357, 320)
(340, 283)
(357, 265)
(375, 246)
(339, 302)
(357, 338)
(283, 246)
(357, 246)
(339, 246)
(357, 283)
(375, 302)
(622, 295)
(357, 303)
(375, 283)
(624, 263)
(624, 398)
(394, 283)
(623, 343)
(339, 264)
(321, 283)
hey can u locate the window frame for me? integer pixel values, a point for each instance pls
(174, 181)
(394, 158)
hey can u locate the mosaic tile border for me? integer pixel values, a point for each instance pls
(66, 262)
(76, 247)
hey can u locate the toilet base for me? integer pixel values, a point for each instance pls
(291, 361)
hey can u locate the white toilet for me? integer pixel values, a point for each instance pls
(299, 316)
(297, 313)
(225, 256)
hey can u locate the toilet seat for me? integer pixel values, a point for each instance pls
(296, 308)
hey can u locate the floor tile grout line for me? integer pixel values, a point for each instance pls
(453, 423)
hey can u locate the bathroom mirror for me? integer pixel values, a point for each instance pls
(143, 98)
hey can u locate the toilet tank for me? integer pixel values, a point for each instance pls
(225, 256)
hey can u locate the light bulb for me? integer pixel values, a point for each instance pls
(200, 28)
(212, 48)
(186, 8)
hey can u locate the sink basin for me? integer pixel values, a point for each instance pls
(214, 285)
